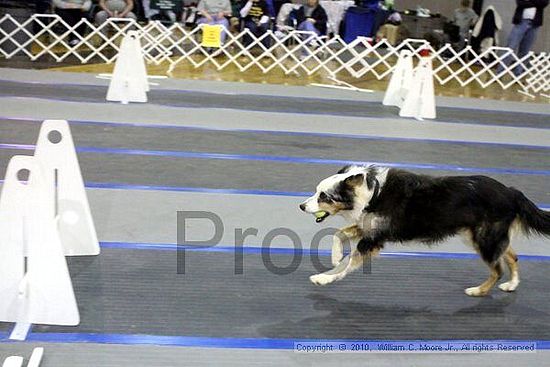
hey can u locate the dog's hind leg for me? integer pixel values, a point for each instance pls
(485, 287)
(491, 241)
(344, 235)
(511, 260)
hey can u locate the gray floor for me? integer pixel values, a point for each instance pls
(230, 119)
(65, 78)
(235, 174)
(139, 292)
(264, 144)
(123, 221)
(311, 106)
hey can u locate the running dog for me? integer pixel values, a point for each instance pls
(386, 205)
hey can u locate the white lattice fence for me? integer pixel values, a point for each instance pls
(293, 52)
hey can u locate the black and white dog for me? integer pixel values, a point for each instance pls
(394, 205)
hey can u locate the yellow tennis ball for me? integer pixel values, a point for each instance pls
(320, 214)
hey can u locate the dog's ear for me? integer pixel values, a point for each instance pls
(355, 180)
(344, 169)
(371, 179)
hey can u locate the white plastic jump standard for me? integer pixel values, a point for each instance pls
(57, 155)
(36, 357)
(401, 80)
(17, 361)
(420, 100)
(129, 81)
(13, 361)
(35, 283)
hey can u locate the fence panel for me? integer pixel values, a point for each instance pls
(291, 51)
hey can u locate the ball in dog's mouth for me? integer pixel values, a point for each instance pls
(320, 216)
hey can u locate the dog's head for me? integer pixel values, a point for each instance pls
(346, 193)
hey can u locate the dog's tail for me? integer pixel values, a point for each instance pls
(532, 218)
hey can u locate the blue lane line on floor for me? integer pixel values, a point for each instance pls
(293, 133)
(230, 343)
(295, 251)
(288, 159)
(202, 190)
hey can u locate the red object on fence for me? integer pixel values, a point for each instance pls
(425, 52)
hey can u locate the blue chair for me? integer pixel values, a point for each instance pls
(359, 22)
(367, 3)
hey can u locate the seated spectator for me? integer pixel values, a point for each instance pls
(41, 7)
(464, 17)
(214, 12)
(255, 16)
(72, 11)
(155, 14)
(235, 20)
(311, 17)
(114, 9)
(189, 13)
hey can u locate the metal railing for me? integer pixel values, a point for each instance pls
(291, 51)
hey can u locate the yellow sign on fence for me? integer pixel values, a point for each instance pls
(211, 36)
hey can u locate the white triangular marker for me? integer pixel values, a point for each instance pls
(420, 100)
(38, 291)
(56, 152)
(400, 81)
(129, 82)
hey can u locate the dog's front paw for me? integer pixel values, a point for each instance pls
(510, 286)
(322, 279)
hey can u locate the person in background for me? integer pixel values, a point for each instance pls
(215, 12)
(41, 7)
(311, 17)
(154, 14)
(255, 16)
(387, 4)
(114, 9)
(72, 11)
(485, 33)
(464, 17)
(527, 20)
(235, 20)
